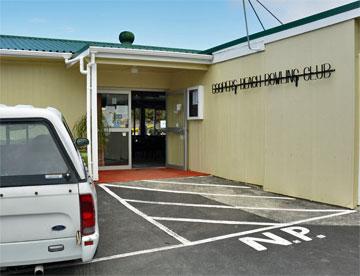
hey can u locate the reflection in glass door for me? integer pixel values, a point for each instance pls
(115, 108)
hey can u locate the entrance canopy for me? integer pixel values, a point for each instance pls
(121, 70)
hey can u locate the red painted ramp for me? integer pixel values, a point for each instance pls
(143, 174)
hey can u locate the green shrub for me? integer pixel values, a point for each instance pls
(79, 131)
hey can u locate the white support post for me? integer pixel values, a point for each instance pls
(94, 119)
(88, 118)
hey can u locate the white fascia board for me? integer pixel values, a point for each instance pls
(150, 55)
(34, 54)
(260, 43)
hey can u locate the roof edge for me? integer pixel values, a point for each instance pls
(287, 26)
(34, 54)
(149, 54)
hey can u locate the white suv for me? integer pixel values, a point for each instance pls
(48, 204)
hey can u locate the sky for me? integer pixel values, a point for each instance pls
(191, 24)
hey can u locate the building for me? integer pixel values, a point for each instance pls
(281, 112)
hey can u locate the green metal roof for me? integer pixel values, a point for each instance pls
(77, 46)
(290, 25)
(71, 46)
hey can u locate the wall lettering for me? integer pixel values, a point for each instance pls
(308, 73)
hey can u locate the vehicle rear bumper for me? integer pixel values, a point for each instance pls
(88, 251)
(37, 252)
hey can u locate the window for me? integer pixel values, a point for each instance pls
(136, 121)
(195, 101)
(149, 121)
(160, 122)
(115, 108)
(68, 130)
(74, 144)
(155, 122)
(29, 155)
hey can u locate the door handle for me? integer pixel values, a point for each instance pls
(56, 248)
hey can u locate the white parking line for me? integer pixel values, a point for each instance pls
(228, 236)
(195, 193)
(149, 219)
(196, 184)
(204, 241)
(140, 252)
(209, 240)
(234, 207)
(232, 222)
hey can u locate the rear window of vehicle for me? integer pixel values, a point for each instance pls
(30, 155)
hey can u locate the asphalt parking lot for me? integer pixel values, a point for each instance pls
(211, 226)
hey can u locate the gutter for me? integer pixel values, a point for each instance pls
(70, 62)
(152, 55)
(117, 53)
(35, 54)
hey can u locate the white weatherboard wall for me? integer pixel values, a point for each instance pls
(298, 141)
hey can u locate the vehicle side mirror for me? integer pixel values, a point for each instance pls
(81, 142)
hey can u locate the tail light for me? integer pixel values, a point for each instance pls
(87, 213)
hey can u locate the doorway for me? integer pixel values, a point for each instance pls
(148, 129)
(142, 129)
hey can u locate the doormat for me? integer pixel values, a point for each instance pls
(144, 174)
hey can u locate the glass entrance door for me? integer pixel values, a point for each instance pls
(115, 110)
(176, 130)
(148, 129)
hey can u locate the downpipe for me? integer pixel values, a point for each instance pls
(85, 70)
(39, 270)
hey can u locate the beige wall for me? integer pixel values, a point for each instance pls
(300, 141)
(43, 83)
(121, 77)
(295, 141)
